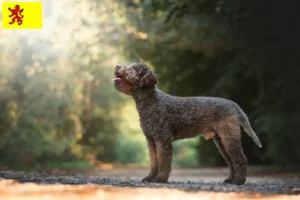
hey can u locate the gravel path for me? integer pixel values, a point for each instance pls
(189, 181)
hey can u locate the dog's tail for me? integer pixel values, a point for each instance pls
(247, 126)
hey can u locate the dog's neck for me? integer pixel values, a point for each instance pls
(144, 94)
(145, 97)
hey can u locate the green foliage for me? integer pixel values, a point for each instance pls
(132, 149)
(56, 93)
(185, 153)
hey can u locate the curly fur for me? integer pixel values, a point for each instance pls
(165, 118)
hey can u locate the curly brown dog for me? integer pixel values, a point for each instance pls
(165, 118)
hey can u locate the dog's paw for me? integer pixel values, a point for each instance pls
(239, 181)
(228, 181)
(159, 179)
(148, 178)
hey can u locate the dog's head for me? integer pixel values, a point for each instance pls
(134, 77)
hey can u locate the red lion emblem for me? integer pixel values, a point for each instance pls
(15, 14)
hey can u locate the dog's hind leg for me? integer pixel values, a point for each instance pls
(234, 149)
(221, 148)
(230, 137)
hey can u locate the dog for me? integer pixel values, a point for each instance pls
(165, 118)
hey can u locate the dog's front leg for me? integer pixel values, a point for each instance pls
(164, 158)
(153, 161)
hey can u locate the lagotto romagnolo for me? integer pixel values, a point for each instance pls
(165, 119)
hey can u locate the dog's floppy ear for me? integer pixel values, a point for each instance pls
(148, 80)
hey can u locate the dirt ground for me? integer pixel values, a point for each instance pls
(124, 183)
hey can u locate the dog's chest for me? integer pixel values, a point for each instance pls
(153, 120)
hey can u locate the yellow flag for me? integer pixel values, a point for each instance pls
(22, 15)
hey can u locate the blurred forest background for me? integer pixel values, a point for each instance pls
(58, 106)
